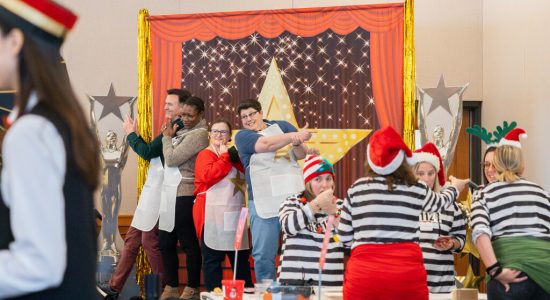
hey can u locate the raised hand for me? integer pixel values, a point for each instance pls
(129, 125)
(304, 134)
(300, 136)
(168, 129)
(325, 200)
(222, 148)
(459, 184)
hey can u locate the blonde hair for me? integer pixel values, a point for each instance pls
(437, 186)
(509, 163)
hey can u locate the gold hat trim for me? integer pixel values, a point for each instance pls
(35, 17)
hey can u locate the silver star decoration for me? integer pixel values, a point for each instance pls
(111, 103)
(441, 95)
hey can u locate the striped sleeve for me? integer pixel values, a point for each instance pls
(292, 216)
(437, 201)
(458, 229)
(476, 194)
(345, 227)
(480, 219)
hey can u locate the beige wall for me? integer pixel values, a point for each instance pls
(449, 39)
(516, 77)
(466, 40)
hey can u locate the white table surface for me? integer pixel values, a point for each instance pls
(329, 293)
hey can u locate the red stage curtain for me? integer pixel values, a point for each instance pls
(384, 22)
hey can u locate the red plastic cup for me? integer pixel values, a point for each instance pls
(233, 289)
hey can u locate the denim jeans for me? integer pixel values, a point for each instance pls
(265, 243)
(525, 290)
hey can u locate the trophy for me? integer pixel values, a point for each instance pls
(440, 118)
(114, 157)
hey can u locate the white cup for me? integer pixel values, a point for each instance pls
(261, 288)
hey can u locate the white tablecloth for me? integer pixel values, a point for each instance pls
(328, 294)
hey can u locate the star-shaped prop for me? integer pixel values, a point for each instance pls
(111, 103)
(333, 144)
(441, 95)
(239, 183)
(466, 207)
(469, 281)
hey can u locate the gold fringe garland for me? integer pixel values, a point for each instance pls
(470, 281)
(409, 76)
(144, 122)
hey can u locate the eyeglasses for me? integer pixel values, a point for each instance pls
(249, 116)
(216, 131)
(188, 116)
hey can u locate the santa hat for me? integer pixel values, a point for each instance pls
(512, 138)
(386, 151)
(429, 154)
(40, 18)
(315, 166)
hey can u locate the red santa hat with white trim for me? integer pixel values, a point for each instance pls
(429, 154)
(512, 138)
(386, 151)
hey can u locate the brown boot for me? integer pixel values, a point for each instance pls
(190, 293)
(170, 292)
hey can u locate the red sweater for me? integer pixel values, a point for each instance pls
(209, 170)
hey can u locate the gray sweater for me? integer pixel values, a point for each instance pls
(183, 152)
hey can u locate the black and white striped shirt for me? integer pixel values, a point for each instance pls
(521, 208)
(374, 215)
(299, 261)
(440, 264)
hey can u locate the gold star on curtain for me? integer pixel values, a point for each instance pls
(333, 144)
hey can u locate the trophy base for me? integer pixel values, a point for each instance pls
(105, 267)
(113, 254)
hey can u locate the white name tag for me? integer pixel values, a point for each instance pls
(426, 226)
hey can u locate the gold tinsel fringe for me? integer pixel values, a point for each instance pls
(409, 76)
(144, 120)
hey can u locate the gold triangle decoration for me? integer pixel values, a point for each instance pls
(333, 144)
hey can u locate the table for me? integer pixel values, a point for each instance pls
(329, 293)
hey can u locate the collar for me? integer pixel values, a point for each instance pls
(33, 100)
(267, 123)
(202, 123)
